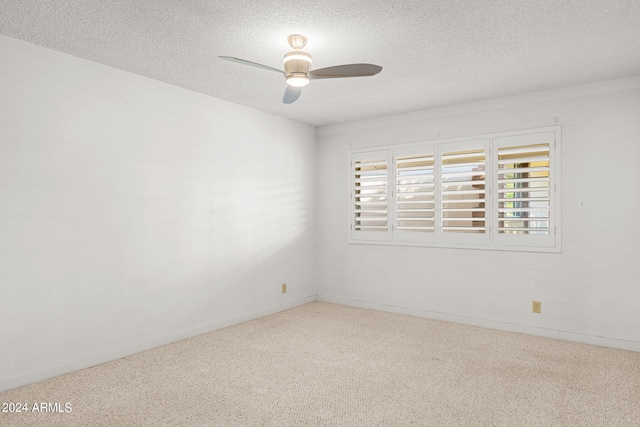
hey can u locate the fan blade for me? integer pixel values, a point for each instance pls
(348, 70)
(291, 94)
(252, 64)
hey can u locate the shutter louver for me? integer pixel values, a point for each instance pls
(463, 191)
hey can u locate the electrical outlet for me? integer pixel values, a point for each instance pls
(536, 307)
(284, 288)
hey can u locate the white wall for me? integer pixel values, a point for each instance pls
(589, 292)
(134, 213)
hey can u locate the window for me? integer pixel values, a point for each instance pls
(497, 191)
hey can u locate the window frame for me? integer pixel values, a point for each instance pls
(491, 239)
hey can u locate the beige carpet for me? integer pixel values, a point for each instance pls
(329, 365)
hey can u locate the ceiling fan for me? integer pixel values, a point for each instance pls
(296, 69)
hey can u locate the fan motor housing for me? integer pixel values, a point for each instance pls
(297, 62)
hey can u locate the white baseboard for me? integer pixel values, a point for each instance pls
(491, 324)
(107, 356)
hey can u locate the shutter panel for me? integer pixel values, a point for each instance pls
(414, 194)
(370, 196)
(523, 189)
(524, 196)
(463, 186)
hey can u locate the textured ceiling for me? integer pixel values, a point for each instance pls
(434, 52)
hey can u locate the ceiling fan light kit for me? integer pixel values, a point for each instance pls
(297, 80)
(297, 64)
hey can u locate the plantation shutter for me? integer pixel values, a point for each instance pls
(370, 196)
(414, 214)
(463, 186)
(493, 191)
(525, 196)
